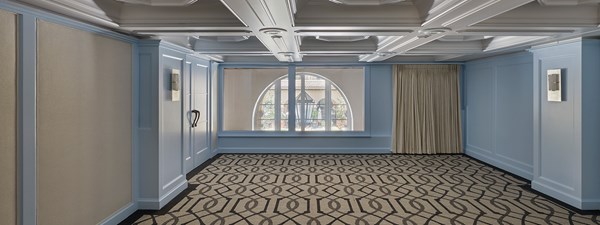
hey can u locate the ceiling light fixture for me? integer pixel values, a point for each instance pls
(273, 31)
(428, 32)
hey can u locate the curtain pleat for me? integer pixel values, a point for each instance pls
(427, 109)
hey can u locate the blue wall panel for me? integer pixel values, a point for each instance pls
(566, 133)
(499, 112)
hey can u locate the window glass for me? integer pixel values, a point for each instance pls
(330, 99)
(241, 89)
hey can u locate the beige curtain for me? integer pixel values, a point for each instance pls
(427, 109)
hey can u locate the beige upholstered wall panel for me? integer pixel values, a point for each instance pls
(84, 125)
(8, 118)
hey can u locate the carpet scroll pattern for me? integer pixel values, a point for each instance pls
(269, 189)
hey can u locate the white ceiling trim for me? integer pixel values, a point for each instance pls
(455, 18)
(160, 2)
(508, 25)
(262, 15)
(567, 2)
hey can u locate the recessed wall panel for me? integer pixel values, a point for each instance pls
(480, 107)
(8, 117)
(83, 125)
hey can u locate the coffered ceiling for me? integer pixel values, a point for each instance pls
(349, 30)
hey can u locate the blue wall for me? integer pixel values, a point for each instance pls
(499, 114)
(566, 133)
(379, 140)
(162, 124)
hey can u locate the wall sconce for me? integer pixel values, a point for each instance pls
(175, 85)
(554, 85)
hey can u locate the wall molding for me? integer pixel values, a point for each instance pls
(494, 154)
(590, 204)
(514, 168)
(316, 150)
(58, 19)
(545, 187)
(120, 214)
(479, 149)
(158, 203)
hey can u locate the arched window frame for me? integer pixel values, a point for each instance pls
(277, 105)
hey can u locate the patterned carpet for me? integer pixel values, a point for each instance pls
(359, 190)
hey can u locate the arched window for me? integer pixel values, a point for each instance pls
(320, 105)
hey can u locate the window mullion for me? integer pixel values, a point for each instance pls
(292, 98)
(303, 102)
(277, 106)
(328, 106)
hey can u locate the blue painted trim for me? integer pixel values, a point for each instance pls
(120, 214)
(134, 130)
(176, 48)
(27, 119)
(463, 105)
(524, 171)
(367, 102)
(156, 204)
(148, 43)
(548, 187)
(54, 18)
(292, 133)
(220, 99)
(263, 64)
(209, 100)
(306, 150)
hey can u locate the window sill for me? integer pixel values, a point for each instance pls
(285, 134)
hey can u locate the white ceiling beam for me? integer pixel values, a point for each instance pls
(324, 13)
(160, 2)
(505, 42)
(455, 17)
(262, 15)
(86, 10)
(311, 44)
(449, 47)
(567, 2)
(208, 33)
(212, 45)
(448, 57)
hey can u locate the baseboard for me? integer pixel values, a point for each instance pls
(120, 214)
(591, 204)
(157, 204)
(509, 166)
(243, 150)
(544, 187)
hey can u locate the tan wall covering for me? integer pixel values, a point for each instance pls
(8, 117)
(83, 127)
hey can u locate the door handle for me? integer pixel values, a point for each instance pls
(196, 118)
